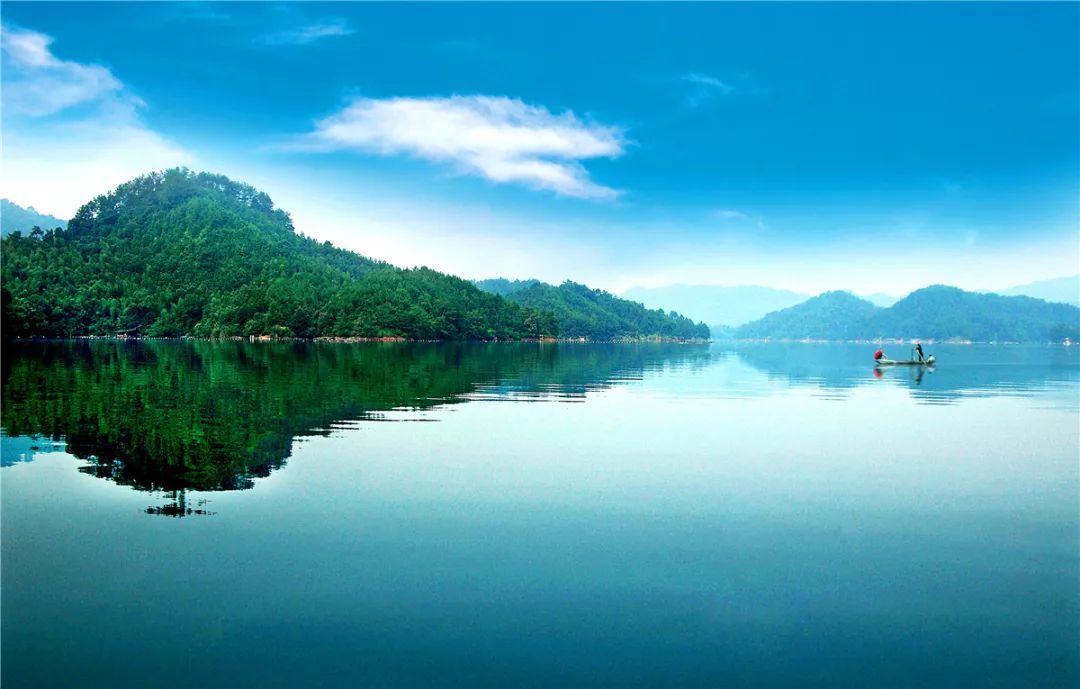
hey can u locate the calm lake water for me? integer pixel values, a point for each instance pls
(518, 515)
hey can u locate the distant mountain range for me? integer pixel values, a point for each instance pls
(595, 314)
(723, 307)
(932, 313)
(726, 309)
(717, 305)
(879, 299)
(14, 217)
(1065, 290)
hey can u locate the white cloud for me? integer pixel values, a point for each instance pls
(58, 156)
(500, 139)
(59, 167)
(324, 28)
(37, 83)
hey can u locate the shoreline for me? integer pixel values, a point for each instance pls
(356, 340)
(895, 342)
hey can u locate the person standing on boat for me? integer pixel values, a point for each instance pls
(879, 354)
(918, 348)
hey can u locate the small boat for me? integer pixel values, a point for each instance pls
(928, 361)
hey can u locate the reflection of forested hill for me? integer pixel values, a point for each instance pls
(214, 415)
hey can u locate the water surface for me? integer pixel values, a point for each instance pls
(238, 515)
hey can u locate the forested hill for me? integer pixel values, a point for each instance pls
(937, 312)
(15, 217)
(828, 316)
(178, 253)
(596, 314)
(941, 313)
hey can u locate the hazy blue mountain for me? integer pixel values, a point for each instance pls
(722, 332)
(828, 316)
(715, 304)
(502, 286)
(937, 312)
(1064, 290)
(880, 299)
(15, 217)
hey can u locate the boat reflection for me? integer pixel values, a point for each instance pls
(960, 371)
(914, 373)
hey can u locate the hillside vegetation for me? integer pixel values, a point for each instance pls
(596, 314)
(180, 253)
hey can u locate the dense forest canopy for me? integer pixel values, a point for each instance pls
(828, 316)
(937, 312)
(596, 314)
(179, 253)
(182, 253)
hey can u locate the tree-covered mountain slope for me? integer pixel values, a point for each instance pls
(940, 312)
(596, 314)
(180, 253)
(828, 316)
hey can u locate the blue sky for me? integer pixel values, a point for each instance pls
(874, 147)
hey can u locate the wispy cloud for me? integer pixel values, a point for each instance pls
(196, 11)
(704, 88)
(500, 139)
(71, 130)
(38, 83)
(732, 215)
(711, 82)
(310, 33)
